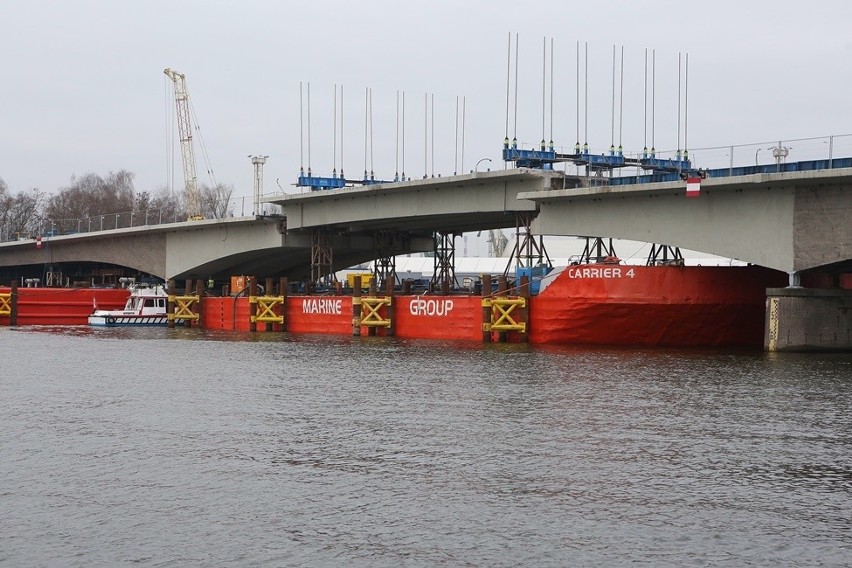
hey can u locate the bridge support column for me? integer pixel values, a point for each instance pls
(322, 270)
(664, 254)
(795, 279)
(444, 274)
(597, 249)
(808, 319)
(528, 251)
(384, 269)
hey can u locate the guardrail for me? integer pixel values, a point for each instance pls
(49, 227)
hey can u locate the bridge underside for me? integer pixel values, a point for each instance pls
(294, 260)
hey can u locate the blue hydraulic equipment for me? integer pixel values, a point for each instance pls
(318, 183)
(545, 157)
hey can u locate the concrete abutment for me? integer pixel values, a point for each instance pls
(808, 319)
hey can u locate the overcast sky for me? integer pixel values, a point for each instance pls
(84, 89)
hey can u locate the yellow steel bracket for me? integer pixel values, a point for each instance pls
(370, 307)
(266, 309)
(6, 304)
(502, 308)
(183, 307)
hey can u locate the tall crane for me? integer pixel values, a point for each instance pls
(191, 194)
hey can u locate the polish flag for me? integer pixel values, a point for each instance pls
(693, 186)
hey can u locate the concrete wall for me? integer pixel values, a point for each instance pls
(803, 319)
(822, 225)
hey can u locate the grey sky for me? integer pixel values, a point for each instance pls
(83, 87)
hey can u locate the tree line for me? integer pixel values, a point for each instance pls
(92, 202)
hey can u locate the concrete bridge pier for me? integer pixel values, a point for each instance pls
(808, 319)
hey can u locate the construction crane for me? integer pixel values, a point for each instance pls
(191, 194)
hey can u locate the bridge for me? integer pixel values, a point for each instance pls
(789, 221)
(319, 233)
(793, 221)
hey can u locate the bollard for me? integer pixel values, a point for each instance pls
(199, 308)
(356, 305)
(486, 311)
(389, 289)
(525, 311)
(252, 305)
(283, 285)
(170, 306)
(13, 298)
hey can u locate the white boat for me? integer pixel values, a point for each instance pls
(145, 306)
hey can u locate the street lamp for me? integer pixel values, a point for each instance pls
(755, 155)
(476, 167)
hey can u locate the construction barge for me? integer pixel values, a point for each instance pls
(589, 304)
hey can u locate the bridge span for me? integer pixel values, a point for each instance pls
(322, 230)
(789, 221)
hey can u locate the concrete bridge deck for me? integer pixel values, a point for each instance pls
(463, 203)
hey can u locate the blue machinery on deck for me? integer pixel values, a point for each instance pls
(546, 156)
(317, 183)
(659, 169)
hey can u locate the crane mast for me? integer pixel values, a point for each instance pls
(191, 193)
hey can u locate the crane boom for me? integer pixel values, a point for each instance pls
(190, 178)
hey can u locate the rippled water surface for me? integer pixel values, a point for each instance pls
(177, 448)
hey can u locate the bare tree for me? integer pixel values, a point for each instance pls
(216, 201)
(5, 204)
(92, 196)
(166, 206)
(22, 214)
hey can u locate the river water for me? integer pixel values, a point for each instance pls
(193, 448)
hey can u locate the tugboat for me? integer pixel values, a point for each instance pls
(145, 306)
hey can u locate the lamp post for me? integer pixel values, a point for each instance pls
(476, 167)
(755, 155)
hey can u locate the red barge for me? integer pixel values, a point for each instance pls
(591, 304)
(58, 306)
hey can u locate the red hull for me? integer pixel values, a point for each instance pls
(63, 306)
(661, 306)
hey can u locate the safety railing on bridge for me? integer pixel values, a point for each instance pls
(45, 227)
(826, 152)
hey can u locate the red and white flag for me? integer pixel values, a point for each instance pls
(693, 186)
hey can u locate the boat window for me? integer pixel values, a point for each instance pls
(149, 302)
(161, 302)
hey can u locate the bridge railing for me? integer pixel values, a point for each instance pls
(51, 227)
(773, 152)
(738, 155)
